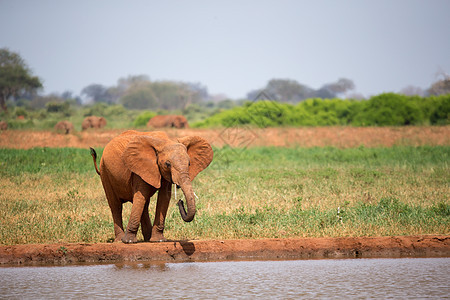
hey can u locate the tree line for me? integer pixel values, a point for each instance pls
(296, 103)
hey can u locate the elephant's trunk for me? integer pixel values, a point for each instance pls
(190, 201)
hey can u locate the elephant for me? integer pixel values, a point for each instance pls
(64, 127)
(93, 122)
(174, 121)
(135, 165)
(3, 125)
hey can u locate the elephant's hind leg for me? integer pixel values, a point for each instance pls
(139, 211)
(115, 204)
(146, 224)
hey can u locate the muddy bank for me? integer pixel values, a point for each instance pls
(218, 250)
(342, 137)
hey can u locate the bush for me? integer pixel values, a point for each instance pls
(20, 124)
(142, 119)
(97, 109)
(58, 107)
(382, 110)
(21, 111)
(441, 113)
(390, 110)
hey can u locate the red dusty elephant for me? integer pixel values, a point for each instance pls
(135, 165)
(3, 125)
(93, 122)
(64, 127)
(174, 121)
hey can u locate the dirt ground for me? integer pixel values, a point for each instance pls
(214, 250)
(342, 137)
(217, 250)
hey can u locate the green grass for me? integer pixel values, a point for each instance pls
(52, 195)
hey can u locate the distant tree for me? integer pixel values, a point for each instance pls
(332, 90)
(42, 101)
(66, 95)
(324, 93)
(70, 97)
(411, 90)
(199, 91)
(287, 90)
(15, 77)
(283, 90)
(97, 93)
(190, 93)
(440, 87)
(132, 80)
(141, 97)
(341, 86)
(167, 95)
(126, 83)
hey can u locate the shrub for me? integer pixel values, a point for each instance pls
(58, 107)
(142, 119)
(97, 109)
(383, 110)
(441, 112)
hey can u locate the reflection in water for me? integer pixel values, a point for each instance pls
(346, 278)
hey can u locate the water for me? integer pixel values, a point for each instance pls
(346, 278)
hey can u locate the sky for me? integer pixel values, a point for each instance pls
(231, 47)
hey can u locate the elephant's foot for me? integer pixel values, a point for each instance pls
(119, 237)
(129, 238)
(157, 234)
(147, 233)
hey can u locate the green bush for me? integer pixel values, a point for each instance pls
(381, 110)
(21, 111)
(390, 110)
(440, 115)
(142, 119)
(115, 110)
(97, 109)
(20, 124)
(58, 107)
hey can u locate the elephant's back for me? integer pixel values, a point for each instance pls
(114, 149)
(112, 167)
(158, 121)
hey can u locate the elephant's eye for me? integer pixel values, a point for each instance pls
(167, 164)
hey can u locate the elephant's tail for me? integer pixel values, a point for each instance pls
(94, 156)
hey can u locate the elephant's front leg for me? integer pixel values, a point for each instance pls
(146, 225)
(141, 198)
(162, 205)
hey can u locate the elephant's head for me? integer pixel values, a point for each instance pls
(178, 162)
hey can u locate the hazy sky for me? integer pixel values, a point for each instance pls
(232, 47)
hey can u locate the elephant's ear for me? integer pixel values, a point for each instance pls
(140, 158)
(200, 154)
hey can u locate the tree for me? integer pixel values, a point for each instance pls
(97, 93)
(168, 95)
(15, 77)
(287, 90)
(440, 87)
(332, 90)
(141, 97)
(412, 90)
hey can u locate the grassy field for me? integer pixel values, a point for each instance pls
(54, 195)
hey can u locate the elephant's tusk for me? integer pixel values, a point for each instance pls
(195, 195)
